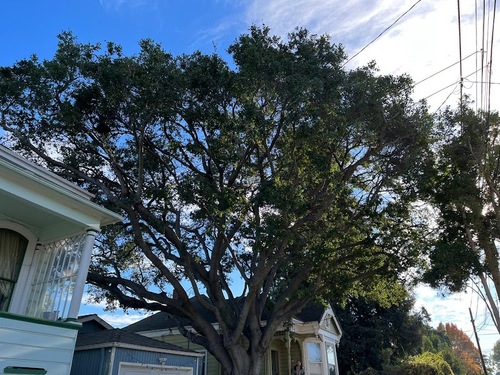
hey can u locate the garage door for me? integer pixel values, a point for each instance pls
(130, 369)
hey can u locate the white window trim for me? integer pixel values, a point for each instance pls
(322, 341)
(20, 293)
(204, 358)
(306, 354)
(334, 345)
(186, 370)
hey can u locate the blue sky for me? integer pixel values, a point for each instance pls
(424, 43)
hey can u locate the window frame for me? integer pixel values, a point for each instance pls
(20, 292)
(335, 361)
(307, 365)
(273, 358)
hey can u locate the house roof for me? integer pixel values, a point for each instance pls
(311, 313)
(156, 321)
(120, 338)
(92, 322)
(162, 320)
(46, 204)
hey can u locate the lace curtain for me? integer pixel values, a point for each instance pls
(12, 250)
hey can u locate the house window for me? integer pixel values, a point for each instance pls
(314, 358)
(330, 358)
(275, 362)
(12, 251)
(202, 362)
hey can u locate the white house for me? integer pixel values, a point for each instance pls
(47, 232)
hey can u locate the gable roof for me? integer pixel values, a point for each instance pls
(311, 313)
(121, 338)
(92, 322)
(162, 320)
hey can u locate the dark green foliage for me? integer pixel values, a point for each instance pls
(466, 170)
(287, 174)
(376, 336)
(411, 369)
(446, 270)
(463, 187)
(397, 340)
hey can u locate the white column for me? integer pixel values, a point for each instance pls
(81, 277)
(288, 349)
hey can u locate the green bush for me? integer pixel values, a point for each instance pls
(410, 369)
(369, 371)
(436, 361)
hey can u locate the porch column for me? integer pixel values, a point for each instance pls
(81, 276)
(289, 348)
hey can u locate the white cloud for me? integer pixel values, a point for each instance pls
(117, 318)
(455, 309)
(423, 42)
(120, 4)
(120, 320)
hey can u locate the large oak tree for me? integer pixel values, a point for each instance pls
(281, 171)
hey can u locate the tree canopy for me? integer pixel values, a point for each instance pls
(464, 187)
(282, 171)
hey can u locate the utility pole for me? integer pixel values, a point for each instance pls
(478, 345)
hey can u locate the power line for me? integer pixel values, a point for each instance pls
(476, 39)
(442, 70)
(482, 54)
(460, 52)
(478, 345)
(452, 84)
(491, 53)
(383, 32)
(484, 82)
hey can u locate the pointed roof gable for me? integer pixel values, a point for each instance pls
(92, 323)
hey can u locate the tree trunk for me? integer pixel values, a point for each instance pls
(491, 255)
(242, 362)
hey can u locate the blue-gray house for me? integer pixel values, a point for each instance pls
(103, 351)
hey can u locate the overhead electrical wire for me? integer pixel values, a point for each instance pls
(444, 69)
(491, 54)
(452, 84)
(460, 53)
(485, 89)
(382, 33)
(479, 97)
(475, 40)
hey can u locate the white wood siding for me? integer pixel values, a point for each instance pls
(32, 345)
